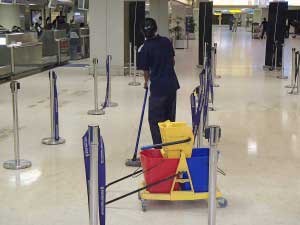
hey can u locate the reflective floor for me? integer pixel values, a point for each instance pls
(260, 144)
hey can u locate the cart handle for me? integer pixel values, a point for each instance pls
(166, 144)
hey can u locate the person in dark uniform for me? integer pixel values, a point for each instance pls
(156, 59)
(264, 25)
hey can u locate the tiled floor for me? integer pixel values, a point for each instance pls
(260, 144)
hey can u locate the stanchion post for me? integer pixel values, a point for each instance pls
(130, 58)
(53, 140)
(134, 82)
(282, 76)
(200, 133)
(93, 184)
(12, 59)
(214, 134)
(213, 67)
(216, 60)
(296, 75)
(292, 70)
(96, 110)
(17, 163)
(297, 79)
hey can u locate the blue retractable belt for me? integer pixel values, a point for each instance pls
(55, 112)
(101, 172)
(101, 180)
(86, 154)
(108, 86)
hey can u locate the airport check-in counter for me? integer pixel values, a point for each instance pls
(19, 53)
(79, 43)
(56, 47)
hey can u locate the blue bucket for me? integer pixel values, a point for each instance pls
(199, 169)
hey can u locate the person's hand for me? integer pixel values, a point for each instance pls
(146, 85)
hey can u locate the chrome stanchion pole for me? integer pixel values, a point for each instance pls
(53, 140)
(213, 67)
(216, 61)
(12, 59)
(296, 76)
(292, 70)
(109, 101)
(213, 133)
(282, 76)
(134, 82)
(96, 111)
(17, 163)
(130, 59)
(93, 184)
(200, 133)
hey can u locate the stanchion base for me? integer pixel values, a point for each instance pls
(110, 104)
(212, 109)
(289, 86)
(282, 77)
(52, 141)
(17, 164)
(134, 83)
(96, 112)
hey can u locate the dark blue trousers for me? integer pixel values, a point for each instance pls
(160, 109)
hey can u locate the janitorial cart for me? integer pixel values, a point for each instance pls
(179, 171)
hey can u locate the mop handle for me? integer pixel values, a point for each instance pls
(140, 125)
(166, 144)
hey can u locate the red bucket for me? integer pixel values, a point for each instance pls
(157, 168)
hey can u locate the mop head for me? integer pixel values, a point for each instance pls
(133, 162)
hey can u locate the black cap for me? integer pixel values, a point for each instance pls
(150, 28)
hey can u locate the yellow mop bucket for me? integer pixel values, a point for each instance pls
(176, 131)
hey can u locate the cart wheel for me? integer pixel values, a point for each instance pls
(222, 202)
(144, 207)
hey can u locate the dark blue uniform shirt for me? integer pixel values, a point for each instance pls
(157, 57)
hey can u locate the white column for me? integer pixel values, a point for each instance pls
(159, 10)
(106, 20)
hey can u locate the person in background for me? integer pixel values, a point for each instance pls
(156, 59)
(40, 21)
(38, 28)
(48, 25)
(264, 26)
(235, 25)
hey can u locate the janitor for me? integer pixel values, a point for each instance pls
(156, 59)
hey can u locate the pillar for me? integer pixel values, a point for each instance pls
(275, 33)
(205, 29)
(159, 10)
(106, 20)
